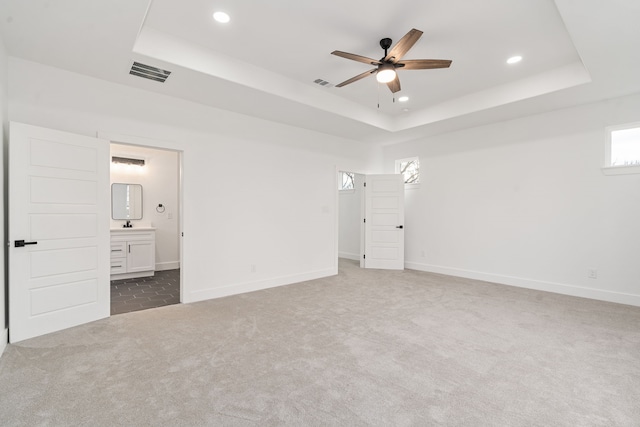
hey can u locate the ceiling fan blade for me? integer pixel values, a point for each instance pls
(423, 64)
(356, 78)
(403, 46)
(355, 57)
(394, 85)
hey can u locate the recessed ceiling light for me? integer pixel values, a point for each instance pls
(403, 99)
(514, 59)
(221, 17)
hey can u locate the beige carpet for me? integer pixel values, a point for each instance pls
(363, 348)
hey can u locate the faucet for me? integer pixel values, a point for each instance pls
(128, 224)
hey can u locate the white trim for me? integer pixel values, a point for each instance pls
(134, 275)
(348, 255)
(167, 265)
(183, 281)
(4, 340)
(620, 170)
(558, 288)
(623, 126)
(119, 138)
(336, 219)
(241, 288)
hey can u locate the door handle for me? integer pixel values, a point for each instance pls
(400, 226)
(22, 243)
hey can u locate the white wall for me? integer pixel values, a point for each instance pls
(525, 203)
(160, 182)
(350, 220)
(260, 198)
(4, 134)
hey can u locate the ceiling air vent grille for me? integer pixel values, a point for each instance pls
(322, 83)
(149, 72)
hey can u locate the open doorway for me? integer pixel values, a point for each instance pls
(351, 216)
(145, 228)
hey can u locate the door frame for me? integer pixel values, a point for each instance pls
(362, 215)
(156, 144)
(337, 216)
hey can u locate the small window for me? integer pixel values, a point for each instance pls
(623, 149)
(346, 181)
(410, 169)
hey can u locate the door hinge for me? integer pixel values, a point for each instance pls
(364, 256)
(365, 220)
(365, 184)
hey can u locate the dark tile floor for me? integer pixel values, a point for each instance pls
(145, 292)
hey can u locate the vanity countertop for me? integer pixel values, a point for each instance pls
(133, 229)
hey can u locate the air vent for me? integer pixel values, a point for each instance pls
(323, 83)
(149, 72)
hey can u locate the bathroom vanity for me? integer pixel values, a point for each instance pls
(133, 252)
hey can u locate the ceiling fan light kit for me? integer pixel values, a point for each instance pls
(385, 70)
(386, 73)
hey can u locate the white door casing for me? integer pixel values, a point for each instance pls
(59, 198)
(384, 226)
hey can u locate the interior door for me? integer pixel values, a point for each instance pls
(58, 230)
(384, 222)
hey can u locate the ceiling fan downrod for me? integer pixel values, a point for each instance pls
(385, 44)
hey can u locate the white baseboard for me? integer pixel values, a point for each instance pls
(241, 288)
(169, 265)
(348, 255)
(558, 288)
(4, 339)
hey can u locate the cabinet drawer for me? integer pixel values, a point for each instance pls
(118, 249)
(118, 265)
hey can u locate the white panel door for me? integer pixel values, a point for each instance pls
(384, 222)
(58, 230)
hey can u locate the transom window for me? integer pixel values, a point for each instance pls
(410, 169)
(622, 153)
(625, 147)
(346, 181)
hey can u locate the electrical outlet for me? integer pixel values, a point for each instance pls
(169, 215)
(592, 274)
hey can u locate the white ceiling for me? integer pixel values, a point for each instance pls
(263, 63)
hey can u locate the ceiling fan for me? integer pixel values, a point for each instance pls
(385, 70)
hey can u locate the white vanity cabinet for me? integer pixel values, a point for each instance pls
(133, 253)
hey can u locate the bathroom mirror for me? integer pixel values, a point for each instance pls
(126, 201)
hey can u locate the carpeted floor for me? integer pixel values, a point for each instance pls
(381, 348)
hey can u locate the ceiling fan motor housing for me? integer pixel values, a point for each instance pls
(385, 44)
